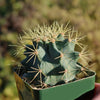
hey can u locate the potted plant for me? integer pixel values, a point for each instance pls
(50, 70)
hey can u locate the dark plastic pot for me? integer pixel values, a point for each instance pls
(69, 91)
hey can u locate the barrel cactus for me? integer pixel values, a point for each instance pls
(50, 56)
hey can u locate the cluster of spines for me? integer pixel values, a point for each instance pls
(50, 33)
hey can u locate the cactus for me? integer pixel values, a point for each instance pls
(50, 56)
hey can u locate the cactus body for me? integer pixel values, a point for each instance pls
(51, 57)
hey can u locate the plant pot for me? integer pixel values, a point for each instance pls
(69, 91)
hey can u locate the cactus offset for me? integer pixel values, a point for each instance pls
(50, 55)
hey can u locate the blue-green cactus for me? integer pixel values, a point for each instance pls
(50, 55)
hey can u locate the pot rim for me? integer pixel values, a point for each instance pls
(38, 89)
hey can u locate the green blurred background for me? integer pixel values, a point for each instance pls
(84, 15)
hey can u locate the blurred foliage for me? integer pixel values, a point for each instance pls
(16, 14)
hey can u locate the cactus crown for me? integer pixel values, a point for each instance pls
(50, 55)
